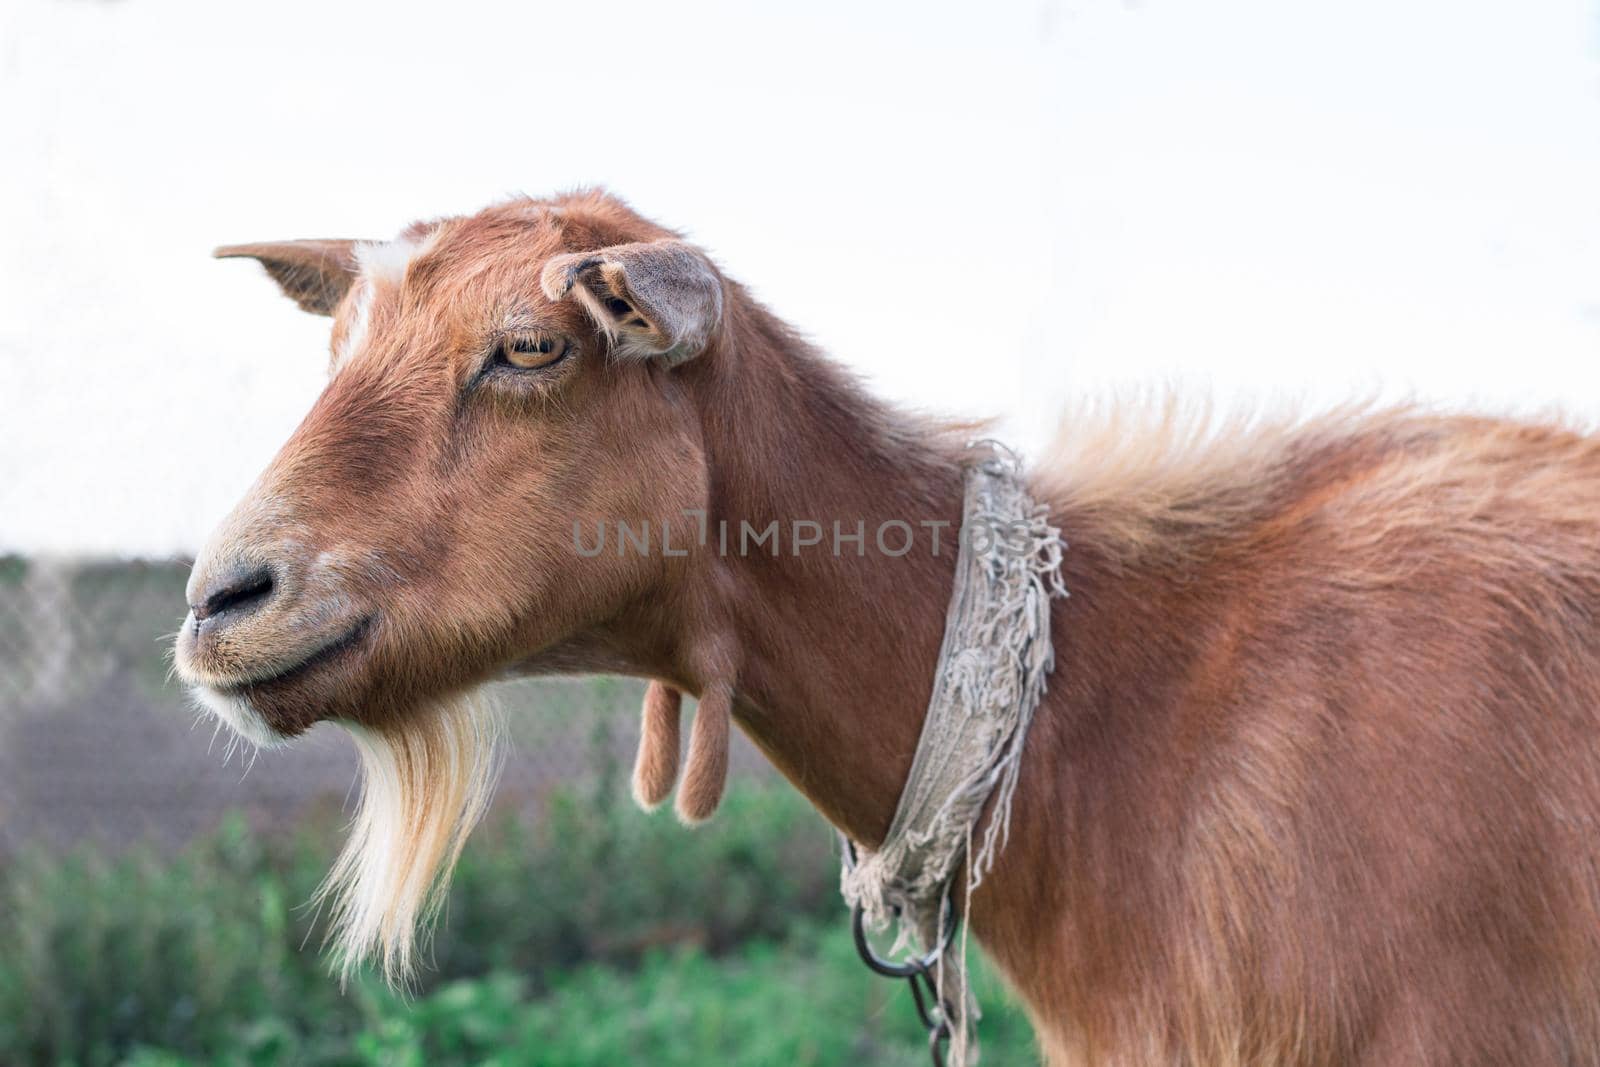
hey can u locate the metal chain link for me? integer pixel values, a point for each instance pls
(918, 972)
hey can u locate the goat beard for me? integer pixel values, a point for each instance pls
(425, 784)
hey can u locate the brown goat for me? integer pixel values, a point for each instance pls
(1316, 780)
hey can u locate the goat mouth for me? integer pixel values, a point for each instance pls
(318, 657)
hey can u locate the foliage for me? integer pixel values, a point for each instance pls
(807, 1001)
(597, 935)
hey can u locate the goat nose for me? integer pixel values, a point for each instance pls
(237, 590)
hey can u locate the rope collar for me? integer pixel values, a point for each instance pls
(991, 675)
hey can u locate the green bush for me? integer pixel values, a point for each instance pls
(596, 880)
(807, 1001)
(209, 954)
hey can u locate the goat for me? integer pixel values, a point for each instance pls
(1316, 779)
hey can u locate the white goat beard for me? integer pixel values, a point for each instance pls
(425, 784)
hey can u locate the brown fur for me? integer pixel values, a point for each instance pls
(1316, 780)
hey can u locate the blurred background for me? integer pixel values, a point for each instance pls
(1034, 200)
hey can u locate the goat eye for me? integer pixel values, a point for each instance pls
(531, 351)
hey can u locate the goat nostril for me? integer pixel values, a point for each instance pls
(245, 589)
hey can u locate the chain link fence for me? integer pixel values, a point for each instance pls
(98, 743)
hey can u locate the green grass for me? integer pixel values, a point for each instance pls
(807, 1001)
(599, 935)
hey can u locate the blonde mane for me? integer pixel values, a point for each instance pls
(1155, 472)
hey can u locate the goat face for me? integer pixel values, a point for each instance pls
(498, 382)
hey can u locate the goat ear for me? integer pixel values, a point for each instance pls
(314, 274)
(654, 299)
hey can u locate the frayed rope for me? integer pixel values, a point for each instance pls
(993, 665)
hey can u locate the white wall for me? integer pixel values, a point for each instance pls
(1252, 197)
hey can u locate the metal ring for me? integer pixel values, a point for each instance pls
(889, 968)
